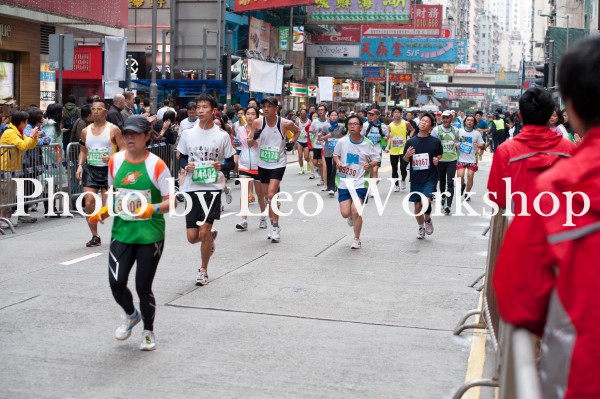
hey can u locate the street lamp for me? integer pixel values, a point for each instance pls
(553, 17)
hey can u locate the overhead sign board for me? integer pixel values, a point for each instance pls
(332, 51)
(426, 22)
(408, 50)
(340, 34)
(436, 78)
(252, 5)
(359, 11)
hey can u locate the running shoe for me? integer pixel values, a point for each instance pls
(396, 189)
(251, 199)
(148, 341)
(320, 183)
(127, 323)
(331, 193)
(355, 244)
(263, 222)
(312, 176)
(228, 197)
(447, 211)
(202, 278)
(403, 185)
(428, 227)
(349, 221)
(275, 234)
(94, 242)
(242, 226)
(467, 197)
(421, 234)
(301, 172)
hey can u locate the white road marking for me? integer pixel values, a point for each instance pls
(299, 191)
(90, 256)
(228, 214)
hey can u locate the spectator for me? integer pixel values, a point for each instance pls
(128, 105)
(53, 121)
(114, 115)
(70, 114)
(161, 112)
(165, 129)
(12, 160)
(82, 123)
(546, 276)
(145, 110)
(137, 105)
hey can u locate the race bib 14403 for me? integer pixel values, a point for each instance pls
(420, 162)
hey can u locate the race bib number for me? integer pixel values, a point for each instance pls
(466, 148)
(313, 139)
(302, 135)
(331, 143)
(420, 162)
(95, 156)
(374, 137)
(129, 201)
(448, 146)
(204, 172)
(397, 142)
(269, 154)
(348, 171)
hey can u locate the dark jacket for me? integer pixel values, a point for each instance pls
(70, 114)
(76, 131)
(115, 117)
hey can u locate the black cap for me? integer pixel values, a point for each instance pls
(271, 100)
(137, 124)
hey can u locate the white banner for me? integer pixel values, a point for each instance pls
(325, 89)
(115, 54)
(265, 77)
(333, 50)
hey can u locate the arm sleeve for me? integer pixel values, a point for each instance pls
(182, 145)
(162, 173)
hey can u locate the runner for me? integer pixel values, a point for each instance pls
(354, 156)
(206, 153)
(302, 145)
(375, 131)
(424, 152)
(396, 139)
(248, 167)
(272, 154)
(448, 135)
(483, 128)
(470, 142)
(191, 119)
(98, 142)
(335, 132)
(317, 130)
(138, 231)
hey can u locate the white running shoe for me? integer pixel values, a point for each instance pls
(403, 185)
(263, 222)
(355, 244)
(396, 189)
(331, 193)
(320, 183)
(242, 226)
(349, 221)
(312, 176)
(228, 196)
(421, 234)
(275, 234)
(429, 227)
(127, 323)
(148, 341)
(202, 278)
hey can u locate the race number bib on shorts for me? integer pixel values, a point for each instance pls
(397, 142)
(448, 146)
(204, 172)
(466, 148)
(331, 143)
(269, 154)
(420, 162)
(129, 201)
(348, 171)
(95, 156)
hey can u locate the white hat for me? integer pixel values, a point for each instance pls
(447, 113)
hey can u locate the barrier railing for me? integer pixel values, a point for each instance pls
(489, 317)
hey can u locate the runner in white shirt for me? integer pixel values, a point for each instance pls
(470, 142)
(272, 154)
(206, 152)
(375, 131)
(318, 129)
(302, 145)
(191, 120)
(354, 156)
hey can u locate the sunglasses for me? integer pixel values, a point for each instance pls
(98, 109)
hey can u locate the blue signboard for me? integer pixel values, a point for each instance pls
(373, 72)
(461, 51)
(408, 49)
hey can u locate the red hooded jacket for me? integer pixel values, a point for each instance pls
(547, 277)
(523, 158)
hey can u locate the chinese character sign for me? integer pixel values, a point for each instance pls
(408, 50)
(359, 11)
(250, 5)
(284, 38)
(461, 51)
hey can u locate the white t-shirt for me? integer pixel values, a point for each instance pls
(200, 145)
(161, 112)
(354, 156)
(469, 142)
(271, 152)
(318, 128)
(187, 124)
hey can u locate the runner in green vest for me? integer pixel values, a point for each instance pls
(448, 135)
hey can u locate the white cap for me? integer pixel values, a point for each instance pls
(447, 113)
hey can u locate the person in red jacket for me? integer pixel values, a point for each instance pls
(547, 277)
(534, 150)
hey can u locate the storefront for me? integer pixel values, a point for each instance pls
(20, 61)
(85, 80)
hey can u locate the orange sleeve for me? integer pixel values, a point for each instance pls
(159, 168)
(111, 166)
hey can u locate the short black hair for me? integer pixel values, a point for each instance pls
(431, 118)
(99, 100)
(35, 116)
(479, 113)
(86, 110)
(397, 109)
(166, 102)
(353, 117)
(170, 115)
(322, 105)
(208, 98)
(71, 99)
(191, 105)
(19, 117)
(536, 106)
(255, 110)
(230, 113)
(89, 100)
(137, 100)
(579, 79)
(220, 107)
(146, 102)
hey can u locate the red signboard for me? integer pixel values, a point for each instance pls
(87, 64)
(103, 12)
(340, 34)
(426, 22)
(253, 5)
(394, 78)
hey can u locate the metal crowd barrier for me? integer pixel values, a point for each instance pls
(41, 163)
(519, 378)
(489, 317)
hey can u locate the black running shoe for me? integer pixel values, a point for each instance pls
(94, 242)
